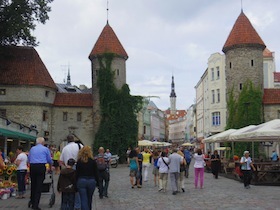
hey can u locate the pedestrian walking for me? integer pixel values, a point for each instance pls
(66, 185)
(188, 158)
(215, 164)
(127, 155)
(155, 169)
(87, 177)
(134, 168)
(109, 154)
(103, 162)
(199, 168)
(162, 163)
(181, 183)
(146, 162)
(56, 158)
(71, 150)
(246, 166)
(140, 160)
(38, 156)
(21, 162)
(174, 170)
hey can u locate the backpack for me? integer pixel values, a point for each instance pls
(101, 163)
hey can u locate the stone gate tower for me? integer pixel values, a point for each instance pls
(244, 56)
(107, 42)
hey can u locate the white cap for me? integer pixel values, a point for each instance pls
(246, 152)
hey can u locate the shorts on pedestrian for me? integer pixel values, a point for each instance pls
(133, 172)
(155, 171)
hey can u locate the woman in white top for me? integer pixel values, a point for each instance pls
(199, 168)
(162, 163)
(246, 165)
(21, 162)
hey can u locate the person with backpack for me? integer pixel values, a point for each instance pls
(188, 158)
(66, 185)
(71, 150)
(103, 162)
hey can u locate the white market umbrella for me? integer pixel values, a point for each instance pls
(157, 143)
(145, 143)
(188, 144)
(269, 131)
(235, 135)
(221, 137)
(166, 144)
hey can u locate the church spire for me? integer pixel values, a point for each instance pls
(107, 11)
(172, 94)
(68, 78)
(172, 98)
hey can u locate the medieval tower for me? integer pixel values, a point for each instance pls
(172, 98)
(107, 42)
(244, 56)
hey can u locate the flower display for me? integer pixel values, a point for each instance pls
(8, 171)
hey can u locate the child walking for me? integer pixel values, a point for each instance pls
(67, 186)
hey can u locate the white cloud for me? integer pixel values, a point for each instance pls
(161, 38)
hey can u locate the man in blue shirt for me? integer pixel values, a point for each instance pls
(274, 156)
(38, 156)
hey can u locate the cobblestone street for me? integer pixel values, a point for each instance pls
(222, 193)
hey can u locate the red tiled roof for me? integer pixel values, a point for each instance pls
(243, 33)
(267, 53)
(179, 113)
(73, 100)
(108, 42)
(276, 76)
(23, 66)
(271, 96)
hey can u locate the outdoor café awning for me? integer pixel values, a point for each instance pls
(16, 135)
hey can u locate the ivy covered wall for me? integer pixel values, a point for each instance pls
(118, 127)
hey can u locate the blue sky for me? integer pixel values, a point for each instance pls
(161, 38)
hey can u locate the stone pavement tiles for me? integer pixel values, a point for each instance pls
(222, 193)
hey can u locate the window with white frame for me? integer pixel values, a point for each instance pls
(212, 74)
(216, 118)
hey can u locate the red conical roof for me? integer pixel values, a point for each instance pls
(108, 42)
(243, 33)
(23, 66)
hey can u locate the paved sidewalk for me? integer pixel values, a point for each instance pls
(222, 193)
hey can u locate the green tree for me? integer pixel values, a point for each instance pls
(119, 127)
(18, 18)
(243, 111)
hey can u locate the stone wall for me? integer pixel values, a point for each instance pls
(82, 129)
(23, 94)
(271, 112)
(239, 67)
